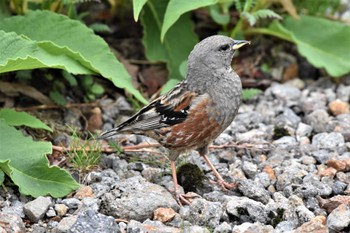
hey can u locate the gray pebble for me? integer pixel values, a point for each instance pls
(248, 227)
(313, 102)
(254, 190)
(203, 212)
(36, 209)
(338, 187)
(329, 141)
(246, 209)
(308, 160)
(283, 92)
(304, 214)
(286, 226)
(339, 218)
(286, 142)
(72, 203)
(288, 117)
(90, 221)
(303, 130)
(250, 169)
(50, 213)
(135, 198)
(343, 93)
(318, 120)
(223, 228)
(322, 156)
(11, 223)
(16, 208)
(263, 178)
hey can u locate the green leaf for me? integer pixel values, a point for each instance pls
(323, 48)
(58, 98)
(176, 8)
(249, 17)
(21, 53)
(266, 13)
(217, 16)
(70, 78)
(87, 81)
(25, 162)
(178, 42)
(100, 27)
(323, 42)
(59, 42)
(137, 7)
(2, 177)
(183, 68)
(15, 118)
(249, 93)
(97, 89)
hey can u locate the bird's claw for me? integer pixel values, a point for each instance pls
(185, 199)
(181, 199)
(225, 185)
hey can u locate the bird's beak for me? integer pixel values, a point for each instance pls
(239, 43)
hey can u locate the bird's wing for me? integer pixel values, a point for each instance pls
(164, 111)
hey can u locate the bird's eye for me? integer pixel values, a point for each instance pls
(224, 47)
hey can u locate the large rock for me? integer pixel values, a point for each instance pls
(89, 221)
(135, 198)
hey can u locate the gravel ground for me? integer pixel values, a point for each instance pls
(287, 150)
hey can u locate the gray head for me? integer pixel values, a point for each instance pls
(214, 52)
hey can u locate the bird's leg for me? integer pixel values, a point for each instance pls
(180, 198)
(224, 185)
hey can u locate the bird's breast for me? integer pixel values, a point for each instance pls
(226, 99)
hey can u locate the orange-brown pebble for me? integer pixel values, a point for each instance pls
(269, 170)
(340, 165)
(315, 225)
(328, 172)
(338, 107)
(84, 191)
(164, 214)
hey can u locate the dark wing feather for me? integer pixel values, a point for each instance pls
(164, 111)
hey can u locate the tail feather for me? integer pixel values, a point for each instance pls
(108, 134)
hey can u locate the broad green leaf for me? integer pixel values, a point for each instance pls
(14, 118)
(137, 7)
(25, 162)
(176, 8)
(21, 53)
(324, 43)
(63, 37)
(177, 44)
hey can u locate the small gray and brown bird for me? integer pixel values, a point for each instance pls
(195, 111)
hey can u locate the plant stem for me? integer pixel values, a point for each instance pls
(236, 28)
(267, 31)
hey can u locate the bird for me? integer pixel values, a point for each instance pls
(197, 110)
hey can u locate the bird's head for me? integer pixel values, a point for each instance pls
(214, 52)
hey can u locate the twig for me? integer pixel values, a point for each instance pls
(143, 62)
(143, 148)
(139, 146)
(240, 146)
(134, 148)
(53, 106)
(121, 220)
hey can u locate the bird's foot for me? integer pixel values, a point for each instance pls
(185, 199)
(182, 199)
(225, 185)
